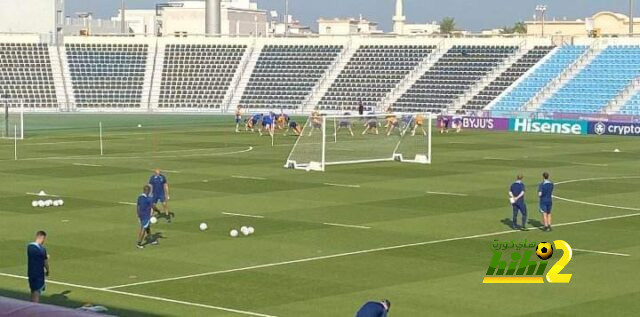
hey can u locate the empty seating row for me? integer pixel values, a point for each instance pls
(26, 74)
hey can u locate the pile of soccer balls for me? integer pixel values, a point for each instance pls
(47, 203)
(245, 230)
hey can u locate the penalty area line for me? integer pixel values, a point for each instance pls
(601, 252)
(339, 255)
(344, 225)
(448, 194)
(156, 298)
(249, 177)
(241, 215)
(85, 164)
(341, 185)
(127, 203)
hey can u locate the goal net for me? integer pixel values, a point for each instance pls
(350, 139)
(12, 123)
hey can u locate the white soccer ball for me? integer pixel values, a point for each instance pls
(243, 229)
(60, 202)
(41, 203)
(34, 203)
(617, 150)
(203, 226)
(55, 203)
(48, 203)
(153, 220)
(251, 230)
(139, 125)
(233, 233)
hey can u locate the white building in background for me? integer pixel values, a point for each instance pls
(239, 17)
(43, 17)
(347, 26)
(424, 29)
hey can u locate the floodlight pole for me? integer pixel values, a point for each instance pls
(631, 18)
(122, 18)
(286, 17)
(542, 9)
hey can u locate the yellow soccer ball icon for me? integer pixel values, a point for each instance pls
(544, 250)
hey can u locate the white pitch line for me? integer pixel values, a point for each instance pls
(498, 159)
(106, 157)
(445, 193)
(601, 252)
(249, 177)
(595, 179)
(342, 185)
(171, 171)
(346, 226)
(127, 203)
(338, 255)
(156, 298)
(85, 164)
(589, 164)
(45, 195)
(241, 215)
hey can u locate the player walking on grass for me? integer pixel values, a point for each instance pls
(38, 266)
(516, 197)
(145, 209)
(545, 193)
(160, 189)
(374, 309)
(238, 118)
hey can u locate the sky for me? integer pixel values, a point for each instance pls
(471, 15)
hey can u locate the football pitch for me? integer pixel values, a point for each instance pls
(419, 235)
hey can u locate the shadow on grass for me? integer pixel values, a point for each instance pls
(62, 300)
(531, 222)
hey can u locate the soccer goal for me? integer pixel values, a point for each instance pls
(12, 123)
(350, 139)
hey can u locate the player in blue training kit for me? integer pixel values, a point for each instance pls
(144, 208)
(267, 124)
(374, 309)
(516, 195)
(545, 192)
(160, 189)
(38, 266)
(297, 129)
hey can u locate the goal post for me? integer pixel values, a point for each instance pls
(12, 123)
(351, 139)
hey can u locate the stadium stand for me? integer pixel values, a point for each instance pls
(599, 82)
(538, 79)
(508, 77)
(451, 76)
(198, 75)
(632, 107)
(107, 75)
(26, 75)
(371, 74)
(285, 75)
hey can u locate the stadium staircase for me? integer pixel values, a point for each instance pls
(624, 97)
(327, 80)
(59, 80)
(232, 90)
(563, 78)
(402, 87)
(245, 70)
(156, 76)
(487, 80)
(66, 77)
(624, 100)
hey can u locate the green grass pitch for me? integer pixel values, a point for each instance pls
(427, 253)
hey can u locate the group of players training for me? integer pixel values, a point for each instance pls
(270, 122)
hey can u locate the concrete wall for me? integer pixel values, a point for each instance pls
(31, 16)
